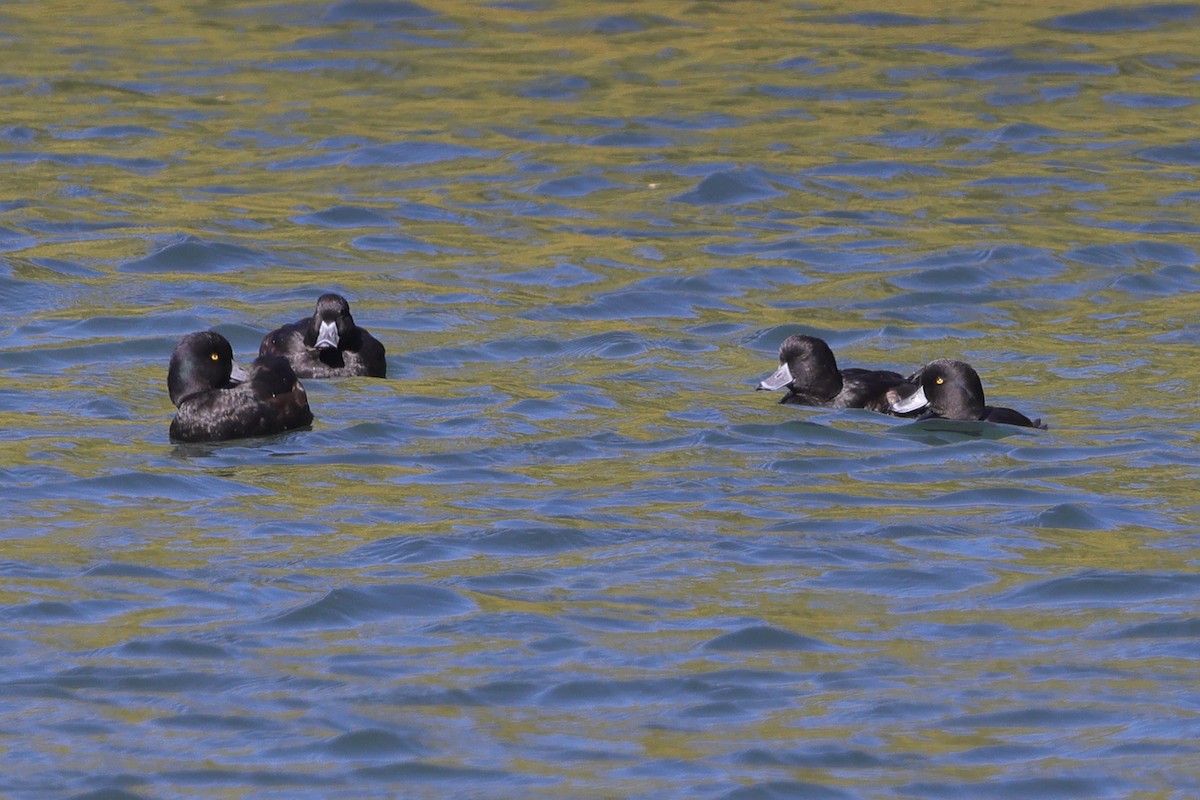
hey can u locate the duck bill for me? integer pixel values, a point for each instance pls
(237, 374)
(781, 378)
(911, 403)
(327, 336)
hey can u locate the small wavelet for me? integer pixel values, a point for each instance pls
(575, 186)
(419, 772)
(195, 255)
(1050, 787)
(407, 550)
(880, 19)
(1098, 587)
(533, 538)
(172, 647)
(371, 743)
(787, 789)
(1149, 101)
(820, 756)
(1182, 155)
(906, 582)
(1115, 19)
(391, 154)
(131, 486)
(555, 87)
(730, 187)
(400, 245)
(614, 24)
(350, 606)
(616, 345)
(376, 11)
(631, 138)
(633, 303)
(345, 217)
(1185, 628)
(992, 69)
(764, 637)
(109, 132)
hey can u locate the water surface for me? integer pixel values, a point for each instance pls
(565, 550)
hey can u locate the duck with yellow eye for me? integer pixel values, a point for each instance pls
(218, 400)
(952, 390)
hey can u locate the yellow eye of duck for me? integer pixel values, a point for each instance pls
(939, 381)
(216, 356)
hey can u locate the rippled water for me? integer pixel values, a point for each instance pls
(565, 550)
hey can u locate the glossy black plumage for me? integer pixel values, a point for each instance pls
(328, 344)
(212, 406)
(952, 390)
(810, 372)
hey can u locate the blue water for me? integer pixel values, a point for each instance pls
(565, 549)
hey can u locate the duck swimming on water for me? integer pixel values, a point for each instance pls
(952, 390)
(217, 400)
(810, 373)
(328, 344)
